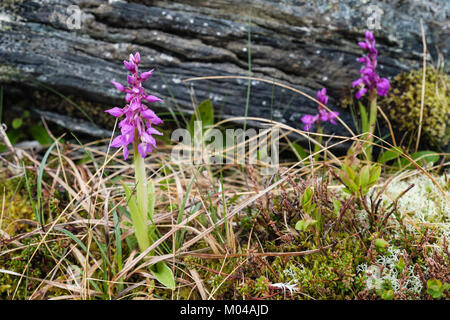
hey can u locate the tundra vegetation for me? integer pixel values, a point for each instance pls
(85, 220)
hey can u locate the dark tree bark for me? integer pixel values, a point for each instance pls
(305, 44)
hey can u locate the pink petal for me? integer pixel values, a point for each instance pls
(357, 82)
(152, 130)
(142, 148)
(137, 58)
(360, 93)
(126, 152)
(131, 80)
(363, 45)
(151, 98)
(116, 112)
(369, 36)
(148, 114)
(129, 66)
(118, 142)
(146, 75)
(383, 86)
(118, 86)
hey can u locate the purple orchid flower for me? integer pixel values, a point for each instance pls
(137, 125)
(369, 78)
(323, 116)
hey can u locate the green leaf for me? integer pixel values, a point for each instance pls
(140, 225)
(336, 206)
(421, 157)
(375, 172)
(16, 123)
(400, 265)
(435, 288)
(381, 245)
(351, 186)
(204, 113)
(387, 294)
(39, 133)
(303, 225)
(351, 173)
(39, 210)
(118, 236)
(163, 274)
(306, 199)
(151, 199)
(364, 176)
(390, 154)
(364, 118)
(298, 150)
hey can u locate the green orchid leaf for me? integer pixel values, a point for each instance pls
(298, 150)
(364, 176)
(140, 225)
(421, 157)
(151, 199)
(163, 274)
(390, 154)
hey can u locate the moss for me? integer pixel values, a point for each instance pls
(8, 73)
(404, 100)
(16, 205)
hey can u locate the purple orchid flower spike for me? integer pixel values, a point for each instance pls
(136, 128)
(369, 78)
(323, 116)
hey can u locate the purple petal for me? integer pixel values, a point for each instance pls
(118, 142)
(128, 97)
(148, 138)
(369, 36)
(322, 96)
(131, 80)
(134, 105)
(137, 58)
(357, 83)
(146, 75)
(363, 45)
(309, 119)
(129, 66)
(118, 86)
(126, 152)
(116, 112)
(148, 114)
(360, 93)
(142, 148)
(151, 98)
(383, 86)
(152, 130)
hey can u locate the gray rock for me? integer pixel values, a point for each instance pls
(305, 44)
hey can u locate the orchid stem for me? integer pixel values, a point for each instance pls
(141, 185)
(317, 147)
(372, 123)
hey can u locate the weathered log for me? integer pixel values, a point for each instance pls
(304, 44)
